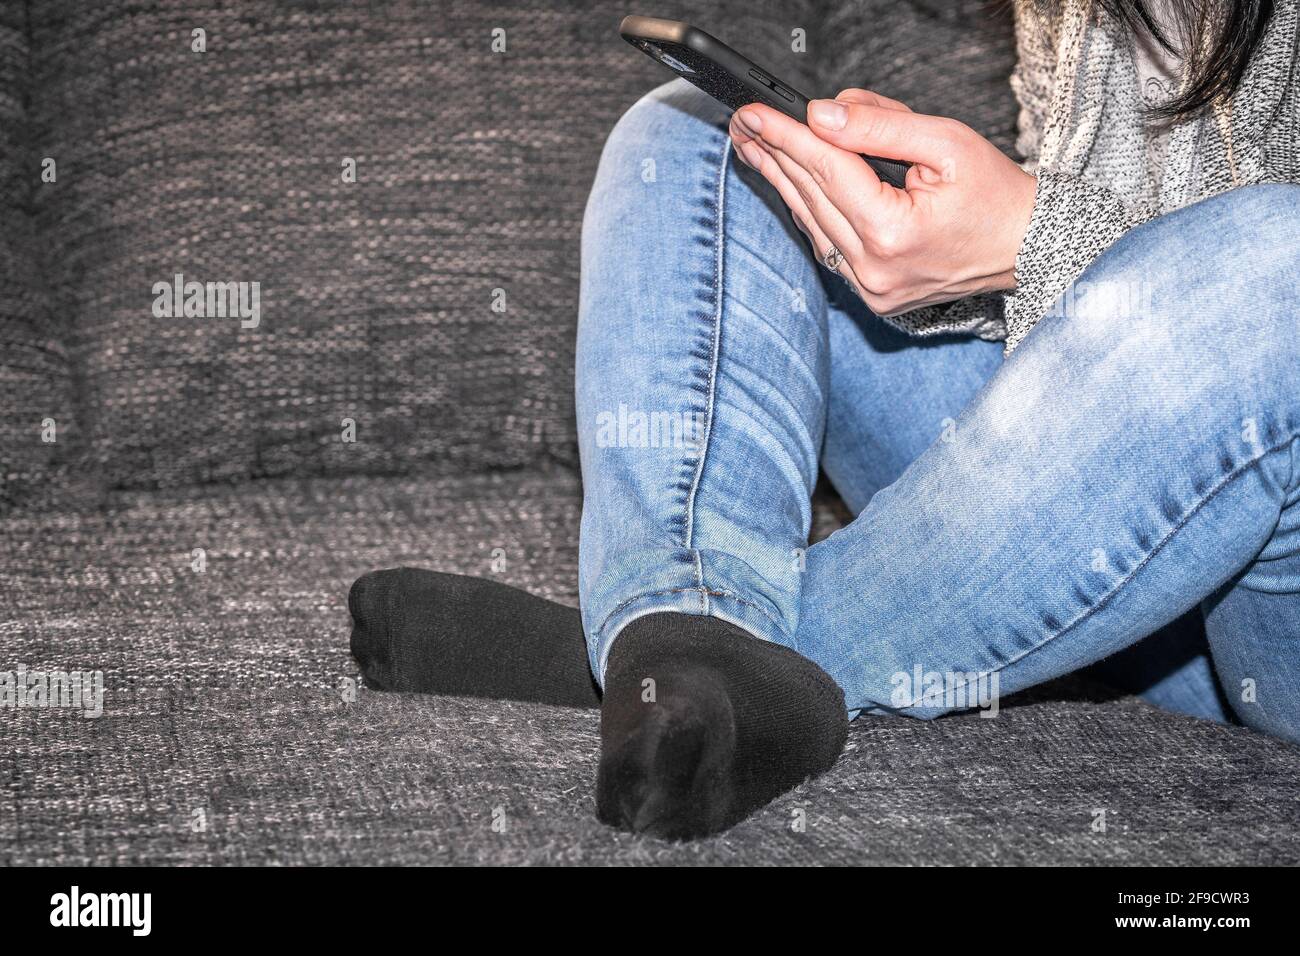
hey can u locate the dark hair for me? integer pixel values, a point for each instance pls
(1215, 38)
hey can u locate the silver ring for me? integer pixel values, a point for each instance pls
(832, 259)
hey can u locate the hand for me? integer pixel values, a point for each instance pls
(953, 232)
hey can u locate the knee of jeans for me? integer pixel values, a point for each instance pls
(1217, 277)
(1260, 219)
(1243, 221)
(1251, 231)
(673, 116)
(1245, 239)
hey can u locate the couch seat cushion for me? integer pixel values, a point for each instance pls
(226, 736)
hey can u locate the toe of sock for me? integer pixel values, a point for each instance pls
(666, 764)
(364, 596)
(369, 602)
(786, 716)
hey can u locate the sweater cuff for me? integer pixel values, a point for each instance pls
(1073, 222)
(979, 315)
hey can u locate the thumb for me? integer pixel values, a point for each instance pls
(880, 131)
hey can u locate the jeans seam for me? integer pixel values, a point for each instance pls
(1105, 599)
(719, 228)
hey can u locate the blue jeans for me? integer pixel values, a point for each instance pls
(1136, 458)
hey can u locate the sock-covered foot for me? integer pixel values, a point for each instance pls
(435, 633)
(702, 724)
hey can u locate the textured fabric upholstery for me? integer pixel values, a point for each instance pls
(945, 58)
(432, 301)
(233, 728)
(226, 736)
(35, 377)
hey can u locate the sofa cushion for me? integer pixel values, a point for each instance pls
(938, 56)
(38, 424)
(230, 734)
(426, 309)
(422, 315)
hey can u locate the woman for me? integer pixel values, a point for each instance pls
(1059, 396)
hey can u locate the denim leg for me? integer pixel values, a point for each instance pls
(1253, 622)
(702, 375)
(1133, 457)
(893, 395)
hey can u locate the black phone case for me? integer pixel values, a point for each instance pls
(728, 77)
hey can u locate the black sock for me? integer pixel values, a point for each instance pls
(435, 633)
(729, 723)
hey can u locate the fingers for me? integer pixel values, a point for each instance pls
(885, 131)
(859, 189)
(838, 187)
(834, 229)
(829, 219)
(839, 197)
(759, 158)
(764, 161)
(809, 181)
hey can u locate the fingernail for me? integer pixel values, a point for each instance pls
(753, 155)
(750, 121)
(828, 113)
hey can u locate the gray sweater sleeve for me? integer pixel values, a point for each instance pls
(1073, 222)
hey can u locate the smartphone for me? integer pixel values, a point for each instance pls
(728, 77)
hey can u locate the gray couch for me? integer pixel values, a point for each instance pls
(192, 528)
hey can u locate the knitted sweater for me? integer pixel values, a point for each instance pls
(1083, 134)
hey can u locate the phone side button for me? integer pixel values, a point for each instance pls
(783, 92)
(762, 79)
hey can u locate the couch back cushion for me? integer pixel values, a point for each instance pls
(395, 190)
(390, 195)
(948, 57)
(37, 425)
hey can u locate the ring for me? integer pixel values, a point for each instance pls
(832, 259)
